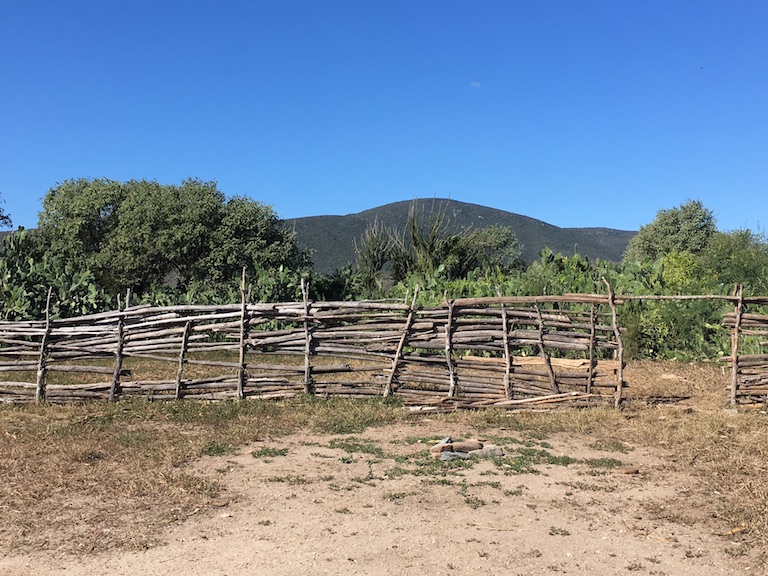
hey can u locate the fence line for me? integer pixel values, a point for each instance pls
(473, 353)
(469, 352)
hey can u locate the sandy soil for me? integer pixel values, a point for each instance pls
(323, 509)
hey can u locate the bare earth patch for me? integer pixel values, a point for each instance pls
(377, 503)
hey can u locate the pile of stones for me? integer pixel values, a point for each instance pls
(447, 449)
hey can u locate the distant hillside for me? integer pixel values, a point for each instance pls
(332, 238)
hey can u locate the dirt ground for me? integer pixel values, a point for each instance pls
(375, 503)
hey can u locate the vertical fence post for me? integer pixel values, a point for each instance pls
(449, 350)
(619, 345)
(508, 392)
(401, 344)
(735, 337)
(41, 365)
(309, 387)
(182, 360)
(114, 388)
(242, 375)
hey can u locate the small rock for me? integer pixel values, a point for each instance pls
(467, 446)
(489, 451)
(442, 446)
(454, 456)
(629, 470)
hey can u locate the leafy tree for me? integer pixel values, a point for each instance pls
(494, 247)
(145, 236)
(78, 218)
(251, 236)
(740, 256)
(161, 234)
(688, 228)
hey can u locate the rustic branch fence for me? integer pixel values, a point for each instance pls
(512, 352)
(467, 353)
(749, 330)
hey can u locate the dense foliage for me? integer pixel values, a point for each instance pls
(147, 237)
(188, 244)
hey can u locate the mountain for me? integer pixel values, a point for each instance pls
(332, 238)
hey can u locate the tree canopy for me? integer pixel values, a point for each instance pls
(687, 228)
(141, 234)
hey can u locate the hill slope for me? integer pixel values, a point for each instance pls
(332, 238)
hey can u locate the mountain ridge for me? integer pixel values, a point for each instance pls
(332, 237)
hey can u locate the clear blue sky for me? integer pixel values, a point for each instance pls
(575, 112)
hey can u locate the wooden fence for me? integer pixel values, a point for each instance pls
(749, 331)
(470, 353)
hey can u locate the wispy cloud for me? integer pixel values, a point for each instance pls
(475, 84)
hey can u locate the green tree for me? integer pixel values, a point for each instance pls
(740, 256)
(147, 236)
(250, 235)
(687, 228)
(494, 247)
(162, 234)
(78, 218)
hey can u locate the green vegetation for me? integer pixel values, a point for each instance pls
(186, 243)
(267, 452)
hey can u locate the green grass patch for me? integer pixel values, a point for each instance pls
(216, 448)
(611, 445)
(290, 479)
(267, 452)
(356, 446)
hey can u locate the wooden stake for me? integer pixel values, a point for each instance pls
(114, 389)
(242, 374)
(449, 351)
(619, 344)
(508, 392)
(40, 387)
(735, 333)
(401, 344)
(182, 360)
(308, 380)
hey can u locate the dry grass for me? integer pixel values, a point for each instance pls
(91, 477)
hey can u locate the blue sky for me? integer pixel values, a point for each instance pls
(578, 113)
